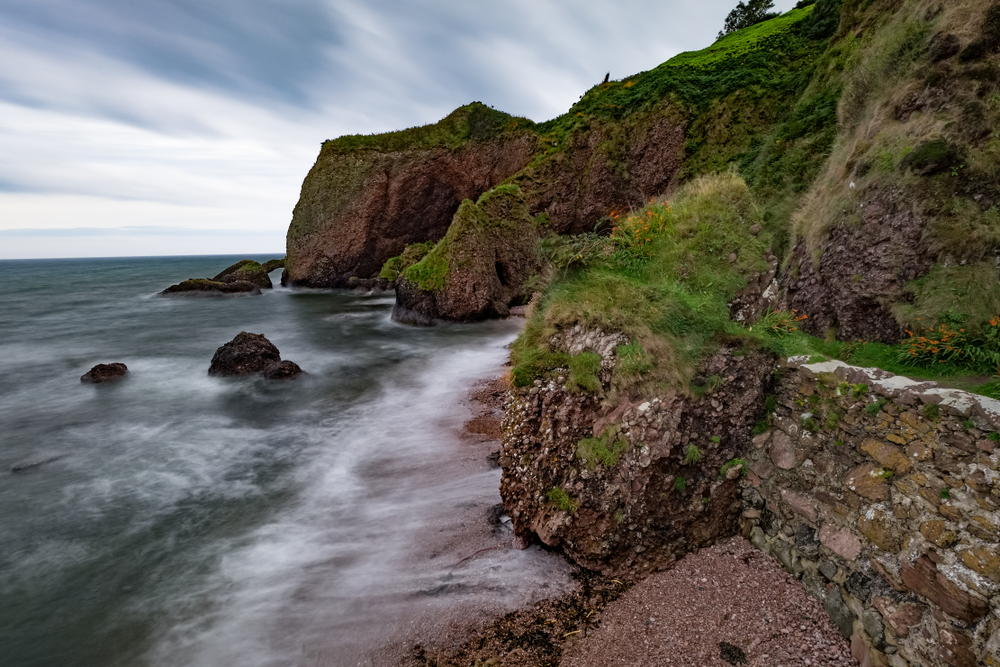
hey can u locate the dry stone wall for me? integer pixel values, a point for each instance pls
(883, 495)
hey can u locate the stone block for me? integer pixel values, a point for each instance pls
(806, 542)
(983, 560)
(783, 451)
(950, 512)
(952, 401)
(956, 648)
(838, 610)
(880, 528)
(918, 451)
(840, 541)
(800, 504)
(889, 456)
(867, 481)
(936, 533)
(922, 577)
(899, 616)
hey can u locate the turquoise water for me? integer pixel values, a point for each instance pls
(189, 520)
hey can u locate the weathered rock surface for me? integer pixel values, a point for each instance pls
(862, 271)
(359, 206)
(105, 373)
(650, 506)
(249, 354)
(479, 269)
(205, 287)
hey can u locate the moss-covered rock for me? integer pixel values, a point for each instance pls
(479, 269)
(246, 270)
(206, 287)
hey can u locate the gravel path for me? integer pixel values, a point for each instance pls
(730, 593)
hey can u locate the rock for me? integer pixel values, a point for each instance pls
(249, 354)
(281, 370)
(900, 616)
(840, 541)
(273, 265)
(867, 481)
(922, 577)
(479, 269)
(246, 270)
(838, 610)
(205, 287)
(102, 373)
(944, 45)
(782, 451)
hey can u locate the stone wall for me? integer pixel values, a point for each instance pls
(883, 495)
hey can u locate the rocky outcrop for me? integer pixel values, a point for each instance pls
(883, 495)
(862, 271)
(480, 267)
(102, 373)
(631, 487)
(367, 198)
(247, 270)
(250, 354)
(245, 277)
(205, 287)
(608, 167)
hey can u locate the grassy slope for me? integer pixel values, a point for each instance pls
(840, 114)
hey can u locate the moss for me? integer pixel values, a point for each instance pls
(933, 157)
(410, 256)
(605, 450)
(583, 370)
(730, 464)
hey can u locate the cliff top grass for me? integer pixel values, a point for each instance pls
(472, 122)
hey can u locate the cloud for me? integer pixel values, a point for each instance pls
(185, 113)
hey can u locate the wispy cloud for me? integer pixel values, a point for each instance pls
(182, 114)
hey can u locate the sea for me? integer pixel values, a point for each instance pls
(173, 518)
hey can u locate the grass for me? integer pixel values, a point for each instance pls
(664, 280)
(692, 455)
(558, 497)
(605, 450)
(413, 253)
(583, 372)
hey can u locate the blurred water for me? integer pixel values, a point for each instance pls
(189, 520)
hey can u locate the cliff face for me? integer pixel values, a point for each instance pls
(367, 198)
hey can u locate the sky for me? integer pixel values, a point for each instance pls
(185, 127)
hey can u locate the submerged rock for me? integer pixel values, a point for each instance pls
(249, 354)
(105, 373)
(205, 287)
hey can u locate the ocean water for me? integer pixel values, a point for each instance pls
(180, 519)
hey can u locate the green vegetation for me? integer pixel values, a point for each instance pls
(410, 256)
(932, 412)
(558, 497)
(730, 464)
(876, 407)
(680, 483)
(472, 122)
(692, 455)
(945, 494)
(605, 450)
(583, 370)
(664, 279)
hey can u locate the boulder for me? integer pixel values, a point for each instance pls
(249, 354)
(246, 270)
(102, 373)
(205, 287)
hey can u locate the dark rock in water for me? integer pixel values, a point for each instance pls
(248, 354)
(282, 370)
(246, 270)
(30, 465)
(205, 287)
(244, 355)
(105, 373)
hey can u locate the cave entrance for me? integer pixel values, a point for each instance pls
(501, 273)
